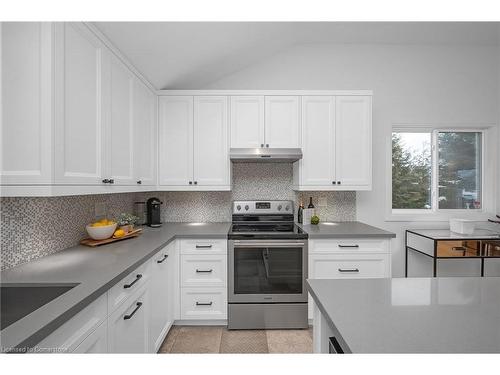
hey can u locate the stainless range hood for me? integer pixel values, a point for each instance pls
(265, 155)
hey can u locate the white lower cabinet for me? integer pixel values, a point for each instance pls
(348, 258)
(128, 325)
(96, 342)
(162, 289)
(203, 270)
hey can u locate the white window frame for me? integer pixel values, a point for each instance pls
(488, 175)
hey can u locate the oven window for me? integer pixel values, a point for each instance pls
(268, 270)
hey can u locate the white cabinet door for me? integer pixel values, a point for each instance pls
(79, 105)
(145, 134)
(161, 294)
(119, 134)
(176, 140)
(211, 141)
(318, 133)
(247, 121)
(96, 342)
(282, 121)
(26, 122)
(353, 141)
(128, 325)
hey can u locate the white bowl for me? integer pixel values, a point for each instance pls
(101, 233)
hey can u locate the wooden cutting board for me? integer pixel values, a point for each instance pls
(93, 243)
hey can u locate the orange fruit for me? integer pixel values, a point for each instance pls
(119, 233)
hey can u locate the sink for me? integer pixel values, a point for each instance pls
(19, 300)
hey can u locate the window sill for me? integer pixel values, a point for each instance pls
(442, 216)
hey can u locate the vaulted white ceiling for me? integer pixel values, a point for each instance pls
(189, 55)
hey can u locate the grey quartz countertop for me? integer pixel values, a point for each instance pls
(95, 269)
(340, 229)
(413, 315)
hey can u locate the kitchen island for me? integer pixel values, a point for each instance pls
(401, 315)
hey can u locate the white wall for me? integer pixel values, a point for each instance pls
(443, 84)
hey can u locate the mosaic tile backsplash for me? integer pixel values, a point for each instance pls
(252, 181)
(34, 227)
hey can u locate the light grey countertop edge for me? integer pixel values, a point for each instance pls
(343, 229)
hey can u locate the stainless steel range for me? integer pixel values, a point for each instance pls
(267, 267)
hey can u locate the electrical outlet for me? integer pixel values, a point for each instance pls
(100, 210)
(322, 202)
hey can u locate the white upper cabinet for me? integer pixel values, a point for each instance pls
(176, 140)
(26, 123)
(145, 134)
(282, 129)
(211, 141)
(336, 144)
(194, 143)
(318, 129)
(80, 101)
(76, 119)
(119, 135)
(353, 141)
(247, 121)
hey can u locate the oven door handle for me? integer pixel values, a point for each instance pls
(265, 258)
(267, 244)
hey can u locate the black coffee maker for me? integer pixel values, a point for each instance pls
(153, 212)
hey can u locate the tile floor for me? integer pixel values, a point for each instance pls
(212, 339)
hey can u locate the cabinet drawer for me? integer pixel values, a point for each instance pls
(200, 303)
(74, 331)
(350, 245)
(203, 246)
(128, 285)
(338, 267)
(203, 270)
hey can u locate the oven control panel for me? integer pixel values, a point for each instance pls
(262, 207)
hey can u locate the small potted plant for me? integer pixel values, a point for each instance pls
(127, 221)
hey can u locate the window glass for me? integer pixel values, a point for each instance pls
(411, 170)
(459, 170)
